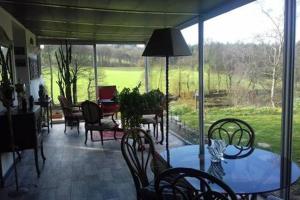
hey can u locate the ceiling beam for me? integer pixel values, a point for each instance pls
(65, 6)
(90, 33)
(60, 40)
(97, 24)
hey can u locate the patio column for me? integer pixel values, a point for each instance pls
(201, 86)
(95, 68)
(288, 94)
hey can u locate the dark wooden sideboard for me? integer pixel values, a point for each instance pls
(26, 128)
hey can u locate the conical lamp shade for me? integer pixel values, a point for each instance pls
(166, 42)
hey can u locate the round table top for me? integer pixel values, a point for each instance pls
(258, 172)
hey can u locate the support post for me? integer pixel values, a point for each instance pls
(201, 87)
(288, 95)
(95, 68)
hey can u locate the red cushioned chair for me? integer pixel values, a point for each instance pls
(106, 99)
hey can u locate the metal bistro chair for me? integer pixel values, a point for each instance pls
(171, 184)
(138, 159)
(235, 132)
(92, 115)
(156, 119)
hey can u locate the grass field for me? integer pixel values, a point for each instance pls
(265, 121)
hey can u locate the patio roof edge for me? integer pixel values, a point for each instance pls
(226, 7)
(55, 41)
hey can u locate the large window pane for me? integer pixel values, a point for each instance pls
(243, 69)
(82, 56)
(121, 65)
(184, 88)
(296, 124)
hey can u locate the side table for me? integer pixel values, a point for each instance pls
(46, 105)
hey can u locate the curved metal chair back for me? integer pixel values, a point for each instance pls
(233, 131)
(137, 157)
(201, 186)
(91, 112)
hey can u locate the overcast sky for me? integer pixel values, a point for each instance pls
(242, 24)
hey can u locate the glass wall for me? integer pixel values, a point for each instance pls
(243, 69)
(82, 62)
(296, 123)
(121, 65)
(183, 75)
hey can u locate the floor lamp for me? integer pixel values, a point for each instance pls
(167, 42)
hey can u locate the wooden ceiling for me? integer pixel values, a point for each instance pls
(107, 21)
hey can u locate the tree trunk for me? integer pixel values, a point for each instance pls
(219, 82)
(272, 97)
(88, 89)
(208, 79)
(74, 90)
(179, 82)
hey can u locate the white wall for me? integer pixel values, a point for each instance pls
(8, 23)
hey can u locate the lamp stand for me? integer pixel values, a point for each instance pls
(167, 110)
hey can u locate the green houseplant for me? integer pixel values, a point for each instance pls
(131, 105)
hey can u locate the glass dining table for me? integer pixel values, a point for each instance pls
(247, 171)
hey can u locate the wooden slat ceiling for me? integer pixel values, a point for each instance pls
(107, 21)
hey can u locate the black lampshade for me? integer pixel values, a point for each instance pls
(166, 42)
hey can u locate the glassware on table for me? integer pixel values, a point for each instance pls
(216, 150)
(216, 169)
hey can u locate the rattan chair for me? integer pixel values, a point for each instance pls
(138, 151)
(233, 131)
(93, 115)
(191, 184)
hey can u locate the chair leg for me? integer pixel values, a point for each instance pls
(2, 179)
(101, 135)
(91, 132)
(78, 123)
(115, 136)
(36, 162)
(154, 131)
(162, 131)
(65, 126)
(42, 152)
(86, 136)
(113, 119)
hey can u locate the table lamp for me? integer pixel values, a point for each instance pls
(166, 42)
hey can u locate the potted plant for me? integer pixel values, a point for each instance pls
(42, 92)
(131, 105)
(153, 101)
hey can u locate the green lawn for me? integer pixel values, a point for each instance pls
(265, 121)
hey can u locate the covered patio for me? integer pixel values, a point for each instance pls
(74, 170)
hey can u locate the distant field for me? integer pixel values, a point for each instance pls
(126, 77)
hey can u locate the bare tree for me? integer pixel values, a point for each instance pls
(274, 51)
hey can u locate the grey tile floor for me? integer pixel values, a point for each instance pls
(74, 171)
